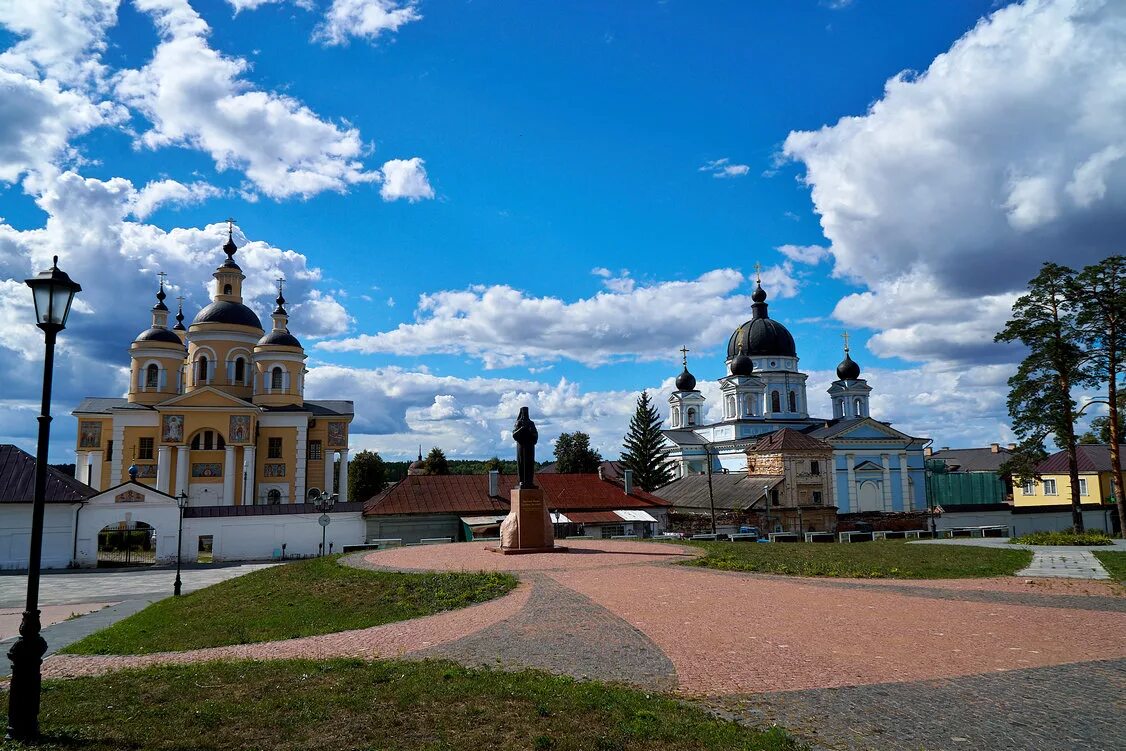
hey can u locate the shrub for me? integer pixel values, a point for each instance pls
(1063, 538)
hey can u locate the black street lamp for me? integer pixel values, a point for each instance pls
(323, 502)
(53, 292)
(182, 502)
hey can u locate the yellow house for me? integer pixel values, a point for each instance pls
(1054, 486)
(217, 410)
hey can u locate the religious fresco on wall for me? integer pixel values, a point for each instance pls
(172, 428)
(337, 435)
(129, 496)
(207, 469)
(273, 470)
(90, 434)
(146, 470)
(240, 429)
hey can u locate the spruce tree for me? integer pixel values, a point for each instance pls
(436, 462)
(644, 451)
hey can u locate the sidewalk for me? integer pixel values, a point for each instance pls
(1066, 561)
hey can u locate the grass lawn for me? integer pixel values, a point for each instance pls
(351, 704)
(1114, 561)
(1063, 538)
(885, 559)
(316, 596)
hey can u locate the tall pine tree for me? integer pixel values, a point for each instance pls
(645, 453)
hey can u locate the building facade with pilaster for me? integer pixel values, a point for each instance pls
(217, 410)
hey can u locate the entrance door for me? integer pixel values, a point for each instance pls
(127, 543)
(870, 497)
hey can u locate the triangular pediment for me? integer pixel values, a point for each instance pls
(868, 429)
(130, 492)
(206, 397)
(867, 466)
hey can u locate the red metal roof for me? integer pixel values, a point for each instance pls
(1089, 457)
(788, 439)
(469, 494)
(594, 517)
(17, 480)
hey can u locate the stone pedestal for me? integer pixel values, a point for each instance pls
(527, 528)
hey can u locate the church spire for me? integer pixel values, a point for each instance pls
(160, 310)
(758, 297)
(179, 315)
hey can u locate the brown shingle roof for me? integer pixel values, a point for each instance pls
(469, 494)
(972, 460)
(788, 439)
(1090, 457)
(17, 480)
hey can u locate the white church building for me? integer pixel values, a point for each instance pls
(875, 467)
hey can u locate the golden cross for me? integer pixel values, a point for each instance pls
(684, 355)
(281, 283)
(758, 271)
(845, 337)
(230, 227)
(163, 276)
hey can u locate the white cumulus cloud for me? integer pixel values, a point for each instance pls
(367, 19)
(405, 178)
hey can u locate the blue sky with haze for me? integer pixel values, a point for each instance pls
(487, 204)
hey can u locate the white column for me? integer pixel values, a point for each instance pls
(329, 455)
(299, 468)
(229, 470)
(118, 455)
(886, 462)
(850, 464)
(248, 467)
(342, 483)
(182, 473)
(95, 470)
(163, 468)
(907, 504)
(81, 460)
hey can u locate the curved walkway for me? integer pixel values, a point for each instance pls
(617, 610)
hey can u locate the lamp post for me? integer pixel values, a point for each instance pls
(322, 502)
(53, 292)
(182, 502)
(766, 499)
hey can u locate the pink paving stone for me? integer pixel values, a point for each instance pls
(746, 634)
(387, 641)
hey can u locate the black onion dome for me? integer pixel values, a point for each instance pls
(761, 337)
(160, 299)
(685, 381)
(848, 370)
(279, 339)
(159, 335)
(222, 311)
(742, 365)
(759, 295)
(230, 249)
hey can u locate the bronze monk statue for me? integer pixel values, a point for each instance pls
(525, 435)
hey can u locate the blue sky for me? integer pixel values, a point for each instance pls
(562, 190)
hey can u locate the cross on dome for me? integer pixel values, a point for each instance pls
(684, 355)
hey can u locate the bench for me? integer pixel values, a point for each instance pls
(989, 530)
(704, 537)
(784, 537)
(624, 537)
(388, 542)
(936, 535)
(743, 537)
(820, 537)
(856, 536)
(899, 534)
(435, 540)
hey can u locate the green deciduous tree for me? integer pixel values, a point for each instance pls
(436, 463)
(1040, 402)
(1100, 299)
(366, 475)
(645, 451)
(574, 455)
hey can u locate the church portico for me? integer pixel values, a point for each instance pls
(873, 467)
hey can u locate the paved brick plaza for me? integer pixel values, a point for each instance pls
(808, 653)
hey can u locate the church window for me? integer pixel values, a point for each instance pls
(814, 467)
(676, 417)
(152, 376)
(729, 404)
(276, 379)
(817, 497)
(793, 402)
(219, 442)
(273, 497)
(274, 450)
(201, 369)
(748, 405)
(240, 370)
(316, 451)
(859, 408)
(144, 448)
(775, 402)
(227, 289)
(691, 416)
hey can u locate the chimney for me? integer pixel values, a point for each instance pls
(945, 448)
(995, 448)
(628, 477)
(494, 483)
(1012, 447)
(928, 451)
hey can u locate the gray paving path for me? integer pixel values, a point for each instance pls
(1076, 707)
(563, 632)
(1067, 561)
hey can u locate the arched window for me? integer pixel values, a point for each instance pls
(775, 402)
(240, 370)
(273, 496)
(676, 417)
(749, 404)
(276, 377)
(226, 289)
(730, 406)
(793, 402)
(691, 415)
(152, 376)
(201, 369)
(859, 407)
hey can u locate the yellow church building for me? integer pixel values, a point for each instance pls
(217, 410)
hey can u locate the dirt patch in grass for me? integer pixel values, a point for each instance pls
(352, 704)
(885, 559)
(304, 598)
